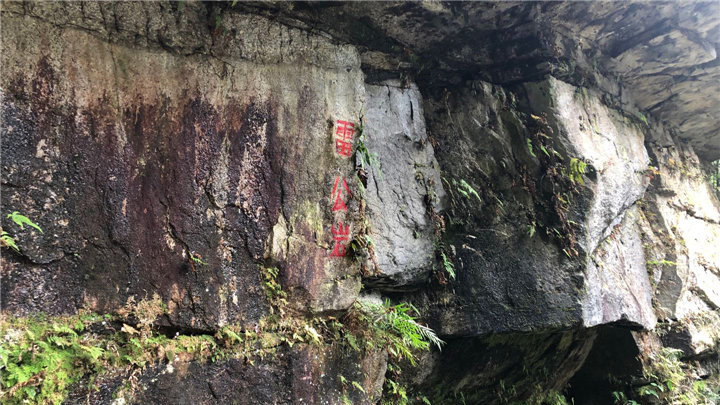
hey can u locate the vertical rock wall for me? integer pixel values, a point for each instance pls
(178, 152)
(403, 186)
(133, 159)
(139, 138)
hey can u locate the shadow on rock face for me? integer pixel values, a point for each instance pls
(504, 368)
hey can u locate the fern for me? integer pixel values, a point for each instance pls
(367, 159)
(466, 189)
(448, 265)
(358, 386)
(9, 241)
(273, 290)
(395, 328)
(576, 170)
(22, 220)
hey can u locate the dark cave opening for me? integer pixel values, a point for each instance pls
(612, 363)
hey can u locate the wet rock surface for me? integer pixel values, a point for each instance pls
(506, 362)
(529, 176)
(514, 203)
(301, 375)
(131, 174)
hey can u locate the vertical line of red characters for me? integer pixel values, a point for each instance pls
(344, 133)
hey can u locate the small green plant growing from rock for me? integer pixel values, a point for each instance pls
(715, 175)
(197, 259)
(273, 290)
(620, 398)
(466, 189)
(576, 170)
(448, 265)
(367, 159)
(402, 334)
(662, 262)
(394, 327)
(42, 357)
(7, 240)
(532, 229)
(672, 381)
(651, 389)
(444, 267)
(542, 397)
(530, 147)
(398, 392)
(344, 383)
(22, 220)
(642, 118)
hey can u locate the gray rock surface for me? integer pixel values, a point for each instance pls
(663, 57)
(403, 185)
(515, 218)
(617, 285)
(680, 222)
(139, 135)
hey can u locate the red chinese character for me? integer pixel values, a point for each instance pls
(340, 235)
(337, 194)
(343, 148)
(345, 130)
(343, 144)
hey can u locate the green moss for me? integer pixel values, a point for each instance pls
(42, 356)
(672, 381)
(310, 214)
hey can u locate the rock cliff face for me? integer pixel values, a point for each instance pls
(530, 176)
